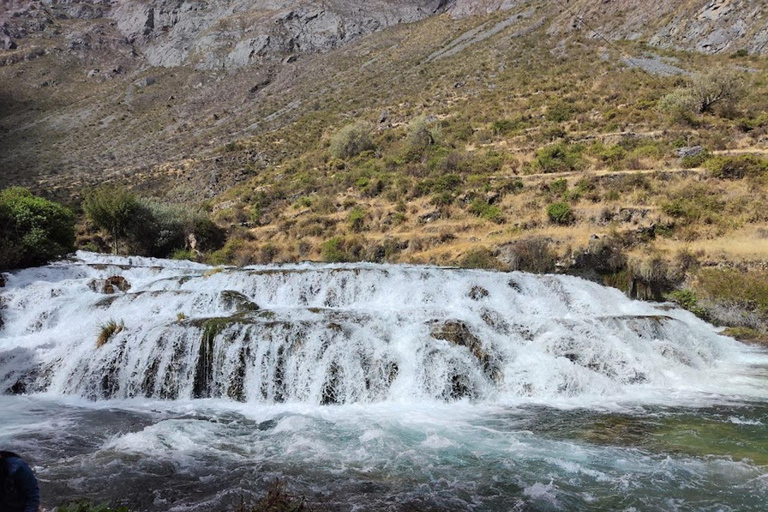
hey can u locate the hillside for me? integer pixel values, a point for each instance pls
(533, 135)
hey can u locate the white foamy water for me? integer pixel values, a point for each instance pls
(352, 334)
(374, 387)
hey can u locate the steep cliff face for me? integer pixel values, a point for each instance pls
(233, 33)
(220, 34)
(226, 34)
(709, 26)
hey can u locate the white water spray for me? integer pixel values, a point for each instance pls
(349, 334)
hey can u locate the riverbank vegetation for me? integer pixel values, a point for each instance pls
(33, 230)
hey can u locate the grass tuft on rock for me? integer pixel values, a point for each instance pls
(108, 330)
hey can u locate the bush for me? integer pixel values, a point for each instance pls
(560, 213)
(737, 167)
(486, 211)
(423, 133)
(33, 230)
(161, 229)
(560, 157)
(560, 112)
(151, 228)
(610, 155)
(357, 220)
(351, 140)
(227, 254)
(481, 258)
(531, 255)
(115, 210)
(719, 86)
(333, 251)
(694, 161)
(687, 300)
(559, 187)
(694, 204)
(183, 254)
(679, 102)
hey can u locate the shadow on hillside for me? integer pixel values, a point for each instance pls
(19, 162)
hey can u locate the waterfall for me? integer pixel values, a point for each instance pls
(340, 334)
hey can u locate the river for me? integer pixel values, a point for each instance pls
(373, 387)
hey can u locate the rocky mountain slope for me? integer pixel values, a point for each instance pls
(521, 134)
(80, 94)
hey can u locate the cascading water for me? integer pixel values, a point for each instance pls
(408, 351)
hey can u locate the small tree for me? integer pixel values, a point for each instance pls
(115, 210)
(351, 140)
(717, 86)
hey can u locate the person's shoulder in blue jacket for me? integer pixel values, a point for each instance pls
(20, 492)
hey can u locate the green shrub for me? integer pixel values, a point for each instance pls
(694, 161)
(560, 112)
(33, 230)
(687, 300)
(357, 220)
(679, 102)
(160, 229)
(447, 183)
(333, 251)
(559, 187)
(183, 254)
(507, 126)
(487, 211)
(481, 258)
(610, 155)
(351, 140)
(560, 157)
(423, 133)
(226, 255)
(560, 213)
(693, 204)
(737, 167)
(442, 199)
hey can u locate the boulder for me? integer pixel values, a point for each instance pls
(110, 285)
(430, 217)
(458, 333)
(6, 43)
(689, 152)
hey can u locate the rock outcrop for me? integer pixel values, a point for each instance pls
(227, 34)
(110, 285)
